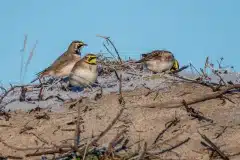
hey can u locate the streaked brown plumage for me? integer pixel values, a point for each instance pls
(84, 73)
(63, 65)
(158, 60)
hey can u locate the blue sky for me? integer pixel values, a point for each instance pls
(191, 29)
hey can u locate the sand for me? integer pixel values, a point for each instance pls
(141, 123)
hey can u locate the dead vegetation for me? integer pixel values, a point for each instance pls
(148, 123)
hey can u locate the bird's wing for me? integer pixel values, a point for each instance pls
(150, 56)
(60, 62)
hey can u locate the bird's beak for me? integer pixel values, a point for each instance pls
(85, 44)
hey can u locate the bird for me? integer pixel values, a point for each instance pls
(159, 61)
(84, 73)
(63, 65)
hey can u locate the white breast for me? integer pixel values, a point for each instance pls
(159, 66)
(83, 77)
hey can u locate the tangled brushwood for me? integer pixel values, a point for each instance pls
(130, 113)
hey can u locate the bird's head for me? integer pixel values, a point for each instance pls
(76, 46)
(175, 65)
(90, 59)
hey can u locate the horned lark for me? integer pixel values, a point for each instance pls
(84, 72)
(158, 60)
(63, 65)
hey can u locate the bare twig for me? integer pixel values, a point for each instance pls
(195, 114)
(73, 130)
(38, 137)
(23, 94)
(114, 142)
(214, 147)
(30, 58)
(168, 149)
(204, 97)
(143, 151)
(85, 151)
(42, 116)
(108, 40)
(26, 128)
(10, 157)
(57, 96)
(108, 127)
(223, 130)
(22, 55)
(120, 99)
(172, 123)
(59, 150)
(6, 93)
(77, 131)
(23, 149)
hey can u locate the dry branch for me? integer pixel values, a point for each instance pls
(172, 123)
(168, 149)
(60, 150)
(38, 137)
(108, 127)
(177, 104)
(195, 114)
(77, 131)
(115, 142)
(30, 58)
(20, 148)
(57, 149)
(214, 147)
(143, 151)
(116, 51)
(22, 55)
(219, 134)
(25, 128)
(10, 157)
(42, 116)
(23, 94)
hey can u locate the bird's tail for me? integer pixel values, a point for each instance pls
(142, 60)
